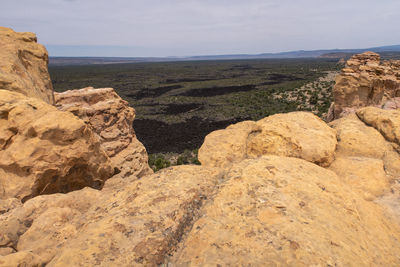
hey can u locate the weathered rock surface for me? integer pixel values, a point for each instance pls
(44, 150)
(130, 222)
(262, 196)
(23, 65)
(263, 210)
(111, 118)
(364, 174)
(365, 82)
(297, 134)
(277, 211)
(357, 139)
(387, 122)
(8, 204)
(225, 147)
(364, 159)
(393, 103)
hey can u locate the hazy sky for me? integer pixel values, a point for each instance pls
(194, 27)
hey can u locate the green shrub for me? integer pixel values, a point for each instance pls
(158, 162)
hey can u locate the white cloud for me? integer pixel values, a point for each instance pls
(186, 27)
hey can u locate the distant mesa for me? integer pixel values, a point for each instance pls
(390, 51)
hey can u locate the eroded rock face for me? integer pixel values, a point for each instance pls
(44, 150)
(130, 222)
(23, 65)
(365, 81)
(111, 118)
(297, 134)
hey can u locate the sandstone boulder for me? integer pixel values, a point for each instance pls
(387, 122)
(130, 222)
(278, 211)
(23, 65)
(111, 119)
(44, 150)
(297, 134)
(364, 159)
(354, 138)
(357, 139)
(224, 147)
(365, 82)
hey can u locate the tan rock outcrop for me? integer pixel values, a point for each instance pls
(387, 122)
(357, 139)
(267, 210)
(297, 134)
(130, 222)
(111, 119)
(364, 159)
(23, 65)
(44, 150)
(365, 82)
(278, 211)
(261, 197)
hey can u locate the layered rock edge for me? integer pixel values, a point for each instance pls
(366, 81)
(111, 119)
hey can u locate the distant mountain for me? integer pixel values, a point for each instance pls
(393, 50)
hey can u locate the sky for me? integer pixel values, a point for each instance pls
(153, 28)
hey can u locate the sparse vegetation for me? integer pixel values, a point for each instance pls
(163, 160)
(178, 103)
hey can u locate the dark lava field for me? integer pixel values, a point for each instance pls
(178, 103)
